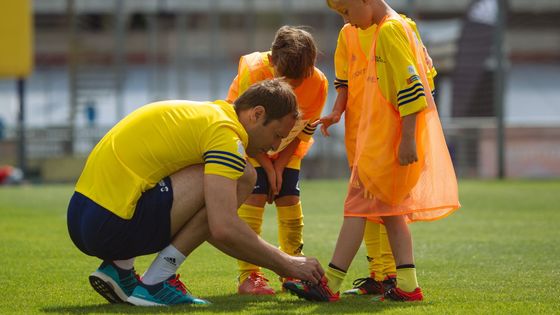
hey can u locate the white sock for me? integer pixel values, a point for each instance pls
(125, 264)
(164, 266)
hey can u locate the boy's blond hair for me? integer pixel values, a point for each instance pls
(333, 4)
(294, 52)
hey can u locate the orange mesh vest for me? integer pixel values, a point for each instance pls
(311, 94)
(379, 185)
(357, 68)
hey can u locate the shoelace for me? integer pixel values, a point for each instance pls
(178, 284)
(258, 279)
(322, 287)
(360, 281)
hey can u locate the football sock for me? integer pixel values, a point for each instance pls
(373, 246)
(164, 265)
(290, 229)
(406, 278)
(126, 264)
(334, 276)
(253, 216)
(386, 254)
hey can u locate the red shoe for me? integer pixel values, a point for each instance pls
(399, 295)
(312, 292)
(255, 284)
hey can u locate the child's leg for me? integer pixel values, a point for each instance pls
(387, 261)
(401, 244)
(290, 225)
(290, 213)
(372, 240)
(252, 213)
(347, 245)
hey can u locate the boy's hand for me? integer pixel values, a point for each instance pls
(271, 175)
(327, 121)
(407, 151)
(279, 170)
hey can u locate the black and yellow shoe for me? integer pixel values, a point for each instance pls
(366, 286)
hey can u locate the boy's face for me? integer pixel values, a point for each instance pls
(356, 12)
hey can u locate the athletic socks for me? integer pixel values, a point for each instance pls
(290, 229)
(126, 264)
(406, 278)
(164, 266)
(334, 276)
(253, 216)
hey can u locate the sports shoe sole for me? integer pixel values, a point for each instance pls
(107, 288)
(141, 302)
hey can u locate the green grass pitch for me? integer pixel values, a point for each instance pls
(499, 254)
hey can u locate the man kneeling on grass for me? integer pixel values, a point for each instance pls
(170, 176)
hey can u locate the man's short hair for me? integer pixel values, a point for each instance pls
(294, 52)
(275, 95)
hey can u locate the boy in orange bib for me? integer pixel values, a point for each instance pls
(292, 56)
(351, 61)
(401, 170)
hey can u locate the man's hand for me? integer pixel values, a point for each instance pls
(327, 121)
(304, 268)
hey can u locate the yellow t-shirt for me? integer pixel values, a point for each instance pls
(398, 79)
(156, 141)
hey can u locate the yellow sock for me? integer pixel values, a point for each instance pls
(253, 216)
(334, 278)
(290, 229)
(406, 279)
(373, 246)
(386, 254)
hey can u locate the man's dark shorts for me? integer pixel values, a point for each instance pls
(98, 232)
(290, 183)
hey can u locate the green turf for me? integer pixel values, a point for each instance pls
(498, 255)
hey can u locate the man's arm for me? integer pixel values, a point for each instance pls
(234, 237)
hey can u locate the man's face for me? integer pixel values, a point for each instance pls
(356, 12)
(263, 138)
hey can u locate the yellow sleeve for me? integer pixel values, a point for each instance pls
(406, 90)
(341, 61)
(223, 153)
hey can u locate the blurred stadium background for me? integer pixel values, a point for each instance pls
(95, 61)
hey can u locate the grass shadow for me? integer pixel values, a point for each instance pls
(258, 305)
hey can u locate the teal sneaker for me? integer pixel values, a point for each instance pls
(113, 283)
(169, 292)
